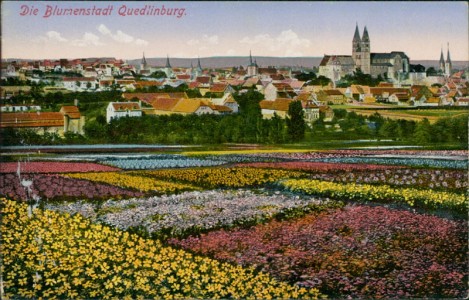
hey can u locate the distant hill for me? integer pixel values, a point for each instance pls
(306, 62)
(232, 61)
(458, 64)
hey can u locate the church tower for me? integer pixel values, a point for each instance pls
(365, 53)
(442, 62)
(168, 69)
(252, 67)
(448, 64)
(143, 63)
(356, 48)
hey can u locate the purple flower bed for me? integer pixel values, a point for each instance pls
(57, 187)
(447, 180)
(358, 251)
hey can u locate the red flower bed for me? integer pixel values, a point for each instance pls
(317, 166)
(54, 167)
(359, 251)
(57, 187)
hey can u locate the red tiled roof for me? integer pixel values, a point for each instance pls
(203, 79)
(280, 104)
(166, 104)
(218, 87)
(44, 119)
(71, 111)
(183, 76)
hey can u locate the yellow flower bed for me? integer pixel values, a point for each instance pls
(227, 177)
(49, 255)
(424, 198)
(133, 181)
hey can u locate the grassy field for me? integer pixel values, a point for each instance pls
(415, 115)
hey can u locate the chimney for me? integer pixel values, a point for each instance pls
(76, 102)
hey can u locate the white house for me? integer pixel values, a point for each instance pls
(77, 83)
(117, 110)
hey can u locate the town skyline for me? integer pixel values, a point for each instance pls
(233, 29)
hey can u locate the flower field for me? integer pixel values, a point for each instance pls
(359, 251)
(134, 181)
(58, 256)
(246, 224)
(383, 193)
(413, 162)
(53, 167)
(55, 187)
(225, 177)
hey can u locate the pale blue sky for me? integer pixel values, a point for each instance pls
(233, 28)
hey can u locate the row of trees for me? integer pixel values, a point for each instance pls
(352, 126)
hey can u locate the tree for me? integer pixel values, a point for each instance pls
(423, 132)
(296, 124)
(431, 71)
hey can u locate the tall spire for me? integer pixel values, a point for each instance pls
(144, 61)
(168, 65)
(448, 59)
(442, 58)
(365, 37)
(356, 36)
(199, 66)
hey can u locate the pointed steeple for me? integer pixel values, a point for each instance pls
(168, 65)
(442, 58)
(144, 61)
(365, 37)
(199, 66)
(356, 36)
(448, 59)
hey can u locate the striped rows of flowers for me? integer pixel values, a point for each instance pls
(48, 186)
(381, 193)
(357, 252)
(410, 162)
(134, 181)
(157, 163)
(302, 155)
(224, 177)
(53, 167)
(49, 255)
(456, 180)
(194, 212)
(317, 166)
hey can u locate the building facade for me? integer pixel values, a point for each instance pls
(394, 65)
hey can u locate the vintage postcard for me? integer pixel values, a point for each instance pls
(234, 149)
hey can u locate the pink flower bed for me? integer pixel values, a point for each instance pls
(57, 187)
(359, 251)
(54, 167)
(317, 166)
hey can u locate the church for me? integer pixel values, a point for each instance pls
(391, 65)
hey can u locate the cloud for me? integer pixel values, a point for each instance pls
(104, 30)
(88, 39)
(141, 42)
(55, 36)
(120, 36)
(287, 43)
